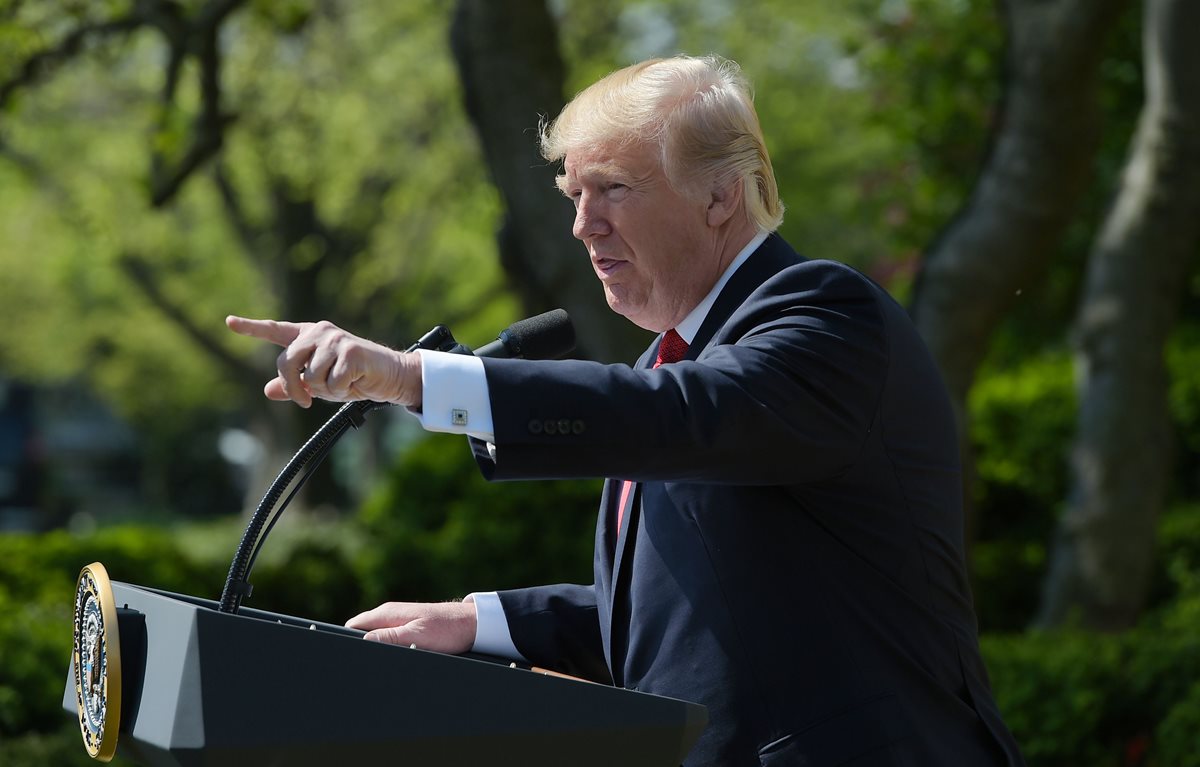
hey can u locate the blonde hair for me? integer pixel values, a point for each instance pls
(700, 113)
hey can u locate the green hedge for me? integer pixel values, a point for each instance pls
(1022, 421)
(438, 530)
(1100, 701)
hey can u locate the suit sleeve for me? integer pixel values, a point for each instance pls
(557, 627)
(786, 393)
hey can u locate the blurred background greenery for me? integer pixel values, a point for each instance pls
(166, 162)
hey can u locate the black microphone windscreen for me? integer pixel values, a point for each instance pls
(546, 336)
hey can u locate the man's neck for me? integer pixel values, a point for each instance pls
(690, 325)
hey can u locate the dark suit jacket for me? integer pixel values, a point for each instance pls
(796, 559)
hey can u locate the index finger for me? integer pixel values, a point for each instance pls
(280, 333)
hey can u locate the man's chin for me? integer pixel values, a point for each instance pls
(635, 314)
(619, 305)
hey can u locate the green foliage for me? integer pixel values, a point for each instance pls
(438, 531)
(1073, 698)
(1006, 578)
(1096, 700)
(348, 186)
(1177, 735)
(36, 638)
(1022, 419)
(1052, 690)
(1183, 367)
(1178, 556)
(62, 747)
(934, 72)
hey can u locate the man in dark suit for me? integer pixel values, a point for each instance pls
(781, 538)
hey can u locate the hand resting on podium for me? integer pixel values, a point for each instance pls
(447, 627)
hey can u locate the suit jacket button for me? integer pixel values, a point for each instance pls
(577, 426)
(535, 426)
(549, 427)
(564, 426)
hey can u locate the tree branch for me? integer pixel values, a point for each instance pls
(184, 37)
(209, 126)
(40, 64)
(10, 12)
(248, 232)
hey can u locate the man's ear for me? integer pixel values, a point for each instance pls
(725, 202)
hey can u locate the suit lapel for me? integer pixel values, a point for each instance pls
(630, 524)
(771, 257)
(604, 535)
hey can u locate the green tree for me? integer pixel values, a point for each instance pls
(163, 164)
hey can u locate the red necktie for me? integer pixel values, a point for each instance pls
(672, 348)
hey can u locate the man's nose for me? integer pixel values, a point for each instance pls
(589, 219)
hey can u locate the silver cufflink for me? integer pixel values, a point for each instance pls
(458, 417)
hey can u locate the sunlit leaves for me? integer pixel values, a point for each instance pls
(350, 111)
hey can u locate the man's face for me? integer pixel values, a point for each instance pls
(650, 246)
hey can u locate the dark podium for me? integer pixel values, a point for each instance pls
(204, 687)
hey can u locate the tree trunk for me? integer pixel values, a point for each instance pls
(1031, 183)
(1104, 550)
(512, 73)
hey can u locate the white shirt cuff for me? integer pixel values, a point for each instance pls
(491, 627)
(454, 395)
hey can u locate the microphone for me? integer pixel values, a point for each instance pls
(546, 336)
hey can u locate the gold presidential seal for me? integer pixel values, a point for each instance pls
(97, 662)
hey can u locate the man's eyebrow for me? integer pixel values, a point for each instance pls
(603, 169)
(595, 171)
